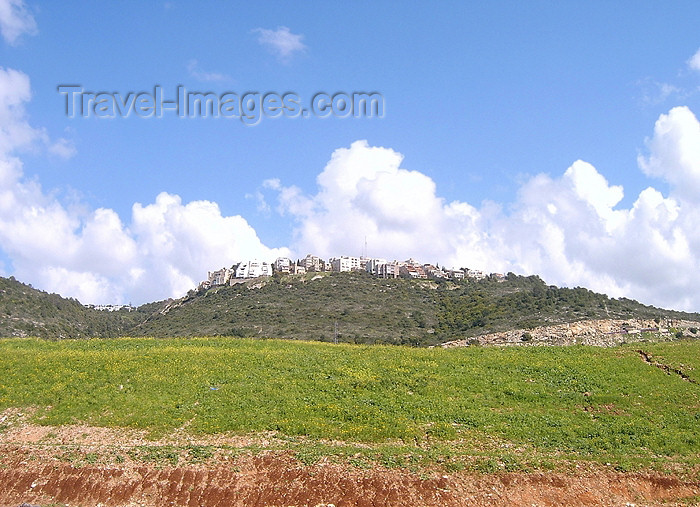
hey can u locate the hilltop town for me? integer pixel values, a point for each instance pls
(381, 268)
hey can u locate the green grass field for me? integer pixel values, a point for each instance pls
(513, 408)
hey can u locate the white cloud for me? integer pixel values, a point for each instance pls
(15, 131)
(694, 61)
(655, 92)
(261, 204)
(573, 237)
(164, 251)
(363, 192)
(180, 242)
(281, 42)
(15, 20)
(63, 148)
(675, 152)
(201, 75)
(569, 229)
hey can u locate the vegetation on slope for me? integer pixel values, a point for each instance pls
(485, 407)
(344, 307)
(25, 311)
(393, 311)
(526, 302)
(365, 309)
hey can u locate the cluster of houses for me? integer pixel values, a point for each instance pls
(378, 267)
(112, 308)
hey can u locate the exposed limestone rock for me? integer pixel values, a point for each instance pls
(604, 333)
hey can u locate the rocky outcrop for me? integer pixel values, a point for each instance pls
(604, 332)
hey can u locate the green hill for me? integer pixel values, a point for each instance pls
(365, 309)
(347, 307)
(25, 311)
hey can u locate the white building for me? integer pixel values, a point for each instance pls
(283, 264)
(373, 266)
(456, 274)
(112, 308)
(476, 274)
(433, 271)
(220, 277)
(345, 263)
(253, 269)
(296, 269)
(313, 263)
(390, 270)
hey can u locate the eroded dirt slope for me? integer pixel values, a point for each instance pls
(271, 480)
(87, 466)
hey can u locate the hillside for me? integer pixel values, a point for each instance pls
(25, 311)
(347, 307)
(366, 310)
(392, 311)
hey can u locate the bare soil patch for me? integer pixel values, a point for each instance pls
(86, 466)
(279, 480)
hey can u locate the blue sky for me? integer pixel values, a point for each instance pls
(488, 108)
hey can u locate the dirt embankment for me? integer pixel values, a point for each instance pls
(603, 332)
(279, 480)
(87, 466)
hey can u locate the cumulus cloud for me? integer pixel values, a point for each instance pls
(15, 131)
(675, 152)
(281, 42)
(694, 61)
(15, 21)
(180, 241)
(569, 229)
(363, 193)
(93, 255)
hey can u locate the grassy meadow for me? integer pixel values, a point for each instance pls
(487, 408)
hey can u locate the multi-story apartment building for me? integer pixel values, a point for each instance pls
(283, 264)
(313, 263)
(220, 277)
(253, 269)
(346, 263)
